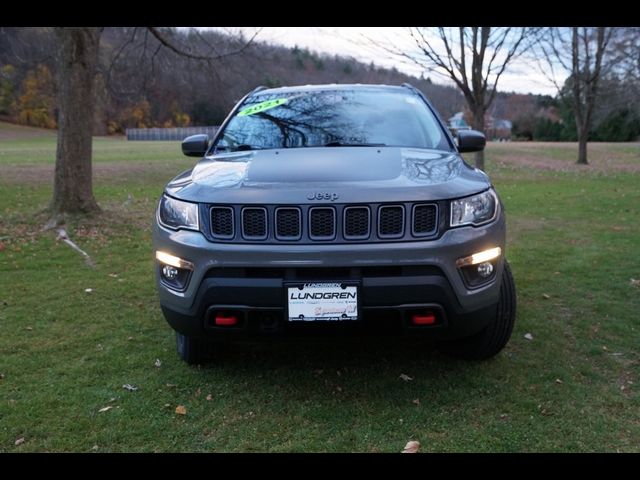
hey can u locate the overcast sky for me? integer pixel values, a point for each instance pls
(523, 76)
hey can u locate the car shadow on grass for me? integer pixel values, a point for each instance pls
(368, 355)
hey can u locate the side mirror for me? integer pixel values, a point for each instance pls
(195, 145)
(471, 141)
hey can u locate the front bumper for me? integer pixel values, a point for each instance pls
(393, 277)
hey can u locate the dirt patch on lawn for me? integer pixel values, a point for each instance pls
(10, 131)
(43, 174)
(561, 156)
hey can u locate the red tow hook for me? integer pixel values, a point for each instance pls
(427, 318)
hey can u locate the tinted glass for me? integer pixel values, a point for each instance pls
(334, 117)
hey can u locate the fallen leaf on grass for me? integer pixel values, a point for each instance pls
(416, 401)
(406, 378)
(158, 363)
(559, 381)
(181, 410)
(411, 447)
(131, 388)
(19, 441)
(29, 328)
(528, 336)
(105, 409)
(546, 296)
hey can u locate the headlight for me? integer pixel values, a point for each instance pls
(474, 210)
(175, 214)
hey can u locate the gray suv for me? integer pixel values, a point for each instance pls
(334, 208)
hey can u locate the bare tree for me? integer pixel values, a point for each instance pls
(77, 60)
(474, 58)
(580, 53)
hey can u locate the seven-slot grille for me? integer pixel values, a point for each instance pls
(288, 223)
(424, 219)
(322, 223)
(391, 221)
(254, 223)
(335, 223)
(222, 222)
(356, 223)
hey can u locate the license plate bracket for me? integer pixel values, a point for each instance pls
(323, 301)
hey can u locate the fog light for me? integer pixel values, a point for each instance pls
(485, 269)
(174, 271)
(173, 261)
(169, 272)
(480, 257)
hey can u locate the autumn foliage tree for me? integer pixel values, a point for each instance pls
(36, 105)
(7, 88)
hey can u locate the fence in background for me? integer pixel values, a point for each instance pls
(179, 133)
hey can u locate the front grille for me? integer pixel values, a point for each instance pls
(254, 223)
(288, 223)
(322, 223)
(335, 223)
(222, 222)
(424, 219)
(391, 221)
(356, 223)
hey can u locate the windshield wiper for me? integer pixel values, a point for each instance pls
(238, 148)
(346, 144)
(244, 146)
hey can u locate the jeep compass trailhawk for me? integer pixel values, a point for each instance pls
(334, 207)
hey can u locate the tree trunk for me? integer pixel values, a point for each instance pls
(77, 56)
(478, 124)
(582, 147)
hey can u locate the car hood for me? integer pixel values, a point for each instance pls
(340, 174)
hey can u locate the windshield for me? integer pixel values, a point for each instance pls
(332, 118)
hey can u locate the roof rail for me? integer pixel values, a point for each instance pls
(410, 87)
(257, 89)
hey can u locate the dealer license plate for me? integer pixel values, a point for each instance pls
(322, 301)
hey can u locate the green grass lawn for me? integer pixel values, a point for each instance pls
(65, 354)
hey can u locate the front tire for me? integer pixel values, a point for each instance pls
(192, 350)
(494, 337)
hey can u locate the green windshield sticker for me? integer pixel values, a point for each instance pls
(261, 107)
